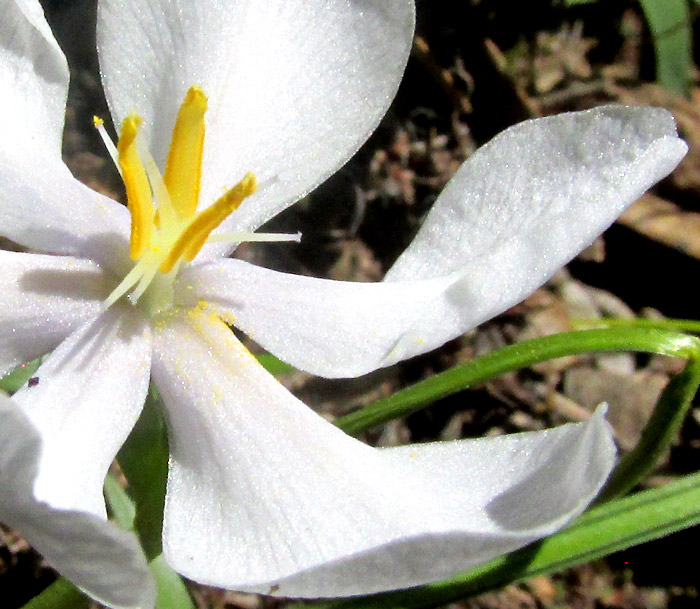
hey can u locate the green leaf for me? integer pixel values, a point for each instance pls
(121, 508)
(172, 592)
(514, 357)
(19, 376)
(669, 23)
(605, 529)
(144, 461)
(661, 429)
(59, 595)
(677, 325)
(273, 365)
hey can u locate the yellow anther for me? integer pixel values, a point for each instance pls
(166, 229)
(97, 121)
(183, 169)
(138, 191)
(195, 235)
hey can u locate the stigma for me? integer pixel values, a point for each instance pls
(166, 227)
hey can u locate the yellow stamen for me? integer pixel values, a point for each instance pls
(138, 191)
(166, 229)
(183, 169)
(193, 238)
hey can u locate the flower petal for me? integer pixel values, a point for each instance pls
(42, 206)
(34, 76)
(517, 210)
(43, 300)
(106, 562)
(264, 495)
(89, 394)
(526, 203)
(536, 195)
(294, 88)
(329, 328)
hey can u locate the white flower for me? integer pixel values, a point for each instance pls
(264, 495)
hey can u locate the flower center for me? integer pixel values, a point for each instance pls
(166, 228)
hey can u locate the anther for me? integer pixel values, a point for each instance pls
(195, 235)
(138, 191)
(183, 169)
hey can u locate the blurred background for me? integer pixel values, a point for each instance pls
(477, 67)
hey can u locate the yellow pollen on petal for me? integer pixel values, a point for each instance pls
(138, 190)
(183, 169)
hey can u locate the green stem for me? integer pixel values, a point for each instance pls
(514, 357)
(674, 325)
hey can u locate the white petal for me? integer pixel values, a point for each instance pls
(41, 205)
(529, 201)
(540, 192)
(294, 87)
(106, 562)
(328, 328)
(515, 212)
(44, 208)
(43, 299)
(89, 394)
(34, 77)
(264, 495)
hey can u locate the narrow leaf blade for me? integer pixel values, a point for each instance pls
(669, 23)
